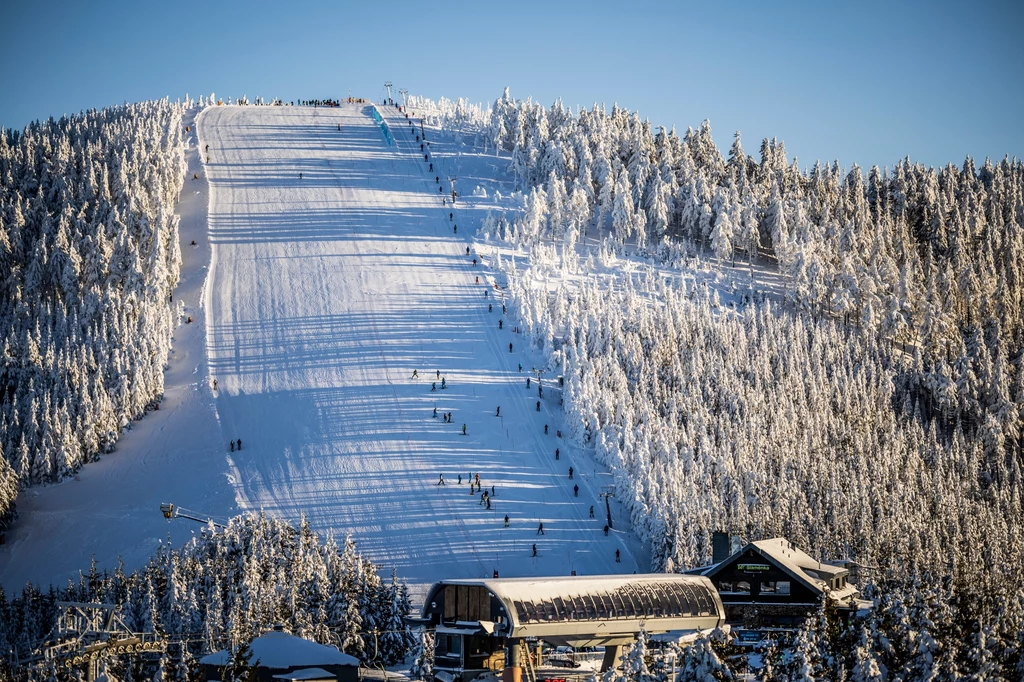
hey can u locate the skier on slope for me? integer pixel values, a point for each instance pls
(239, 443)
(570, 473)
(435, 413)
(540, 529)
(497, 412)
(535, 550)
(506, 520)
(556, 453)
(576, 491)
(463, 429)
(591, 511)
(510, 348)
(440, 480)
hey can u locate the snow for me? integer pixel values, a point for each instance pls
(283, 650)
(320, 298)
(306, 674)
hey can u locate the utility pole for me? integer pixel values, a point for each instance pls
(405, 103)
(388, 86)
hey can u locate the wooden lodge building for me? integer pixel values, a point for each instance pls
(771, 583)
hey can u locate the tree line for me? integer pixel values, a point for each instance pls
(89, 256)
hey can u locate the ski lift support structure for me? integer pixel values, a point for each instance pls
(172, 511)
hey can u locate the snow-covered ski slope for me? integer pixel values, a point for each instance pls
(323, 295)
(326, 293)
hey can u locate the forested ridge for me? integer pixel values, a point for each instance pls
(89, 257)
(869, 407)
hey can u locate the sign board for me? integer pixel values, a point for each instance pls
(753, 568)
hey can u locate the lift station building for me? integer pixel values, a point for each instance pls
(480, 626)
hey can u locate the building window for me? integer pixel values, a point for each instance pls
(739, 587)
(777, 587)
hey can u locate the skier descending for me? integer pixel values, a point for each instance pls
(570, 473)
(506, 520)
(463, 429)
(497, 413)
(440, 480)
(591, 511)
(433, 385)
(576, 491)
(617, 557)
(540, 529)
(239, 443)
(435, 413)
(534, 550)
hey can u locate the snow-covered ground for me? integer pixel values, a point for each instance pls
(324, 294)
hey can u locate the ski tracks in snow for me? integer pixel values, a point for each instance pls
(327, 291)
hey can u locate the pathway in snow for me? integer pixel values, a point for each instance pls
(327, 292)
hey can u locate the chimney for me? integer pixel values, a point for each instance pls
(719, 547)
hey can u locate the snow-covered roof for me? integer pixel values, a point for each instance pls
(308, 675)
(547, 588)
(280, 650)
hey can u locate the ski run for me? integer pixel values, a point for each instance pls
(338, 306)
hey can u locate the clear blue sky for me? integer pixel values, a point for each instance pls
(866, 82)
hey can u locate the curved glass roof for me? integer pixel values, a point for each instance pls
(633, 600)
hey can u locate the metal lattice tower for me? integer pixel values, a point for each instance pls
(86, 633)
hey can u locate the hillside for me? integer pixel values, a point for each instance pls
(323, 295)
